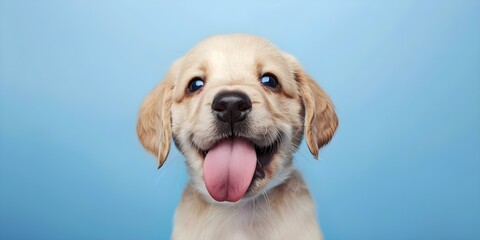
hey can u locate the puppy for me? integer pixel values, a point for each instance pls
(237, 109)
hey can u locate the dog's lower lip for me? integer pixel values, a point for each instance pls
(264, 156)
(259, 171)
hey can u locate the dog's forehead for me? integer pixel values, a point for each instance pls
(232, 52)
(235, 59)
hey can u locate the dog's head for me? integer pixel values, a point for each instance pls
(237, 108)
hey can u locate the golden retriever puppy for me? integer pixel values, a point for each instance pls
(237, 109)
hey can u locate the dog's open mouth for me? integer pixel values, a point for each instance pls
(232, 164)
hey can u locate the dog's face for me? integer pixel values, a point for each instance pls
(236, 108)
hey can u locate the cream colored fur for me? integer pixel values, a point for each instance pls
(278, 206)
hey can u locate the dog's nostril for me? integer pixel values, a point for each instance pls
(219, 106)
(231, 106)
(244, 106)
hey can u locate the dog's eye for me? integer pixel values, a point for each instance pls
(195, 84)
(269, 80)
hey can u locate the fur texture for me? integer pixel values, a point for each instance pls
(276, 206)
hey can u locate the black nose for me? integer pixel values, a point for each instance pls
(231, 107)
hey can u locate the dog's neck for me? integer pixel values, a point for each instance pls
(285, 207)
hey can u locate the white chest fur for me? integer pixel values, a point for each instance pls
(285, 212)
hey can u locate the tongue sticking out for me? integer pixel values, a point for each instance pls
(228, 169)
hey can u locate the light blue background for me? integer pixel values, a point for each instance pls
(404, 76)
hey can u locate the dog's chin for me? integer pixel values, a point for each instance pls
(264, 155)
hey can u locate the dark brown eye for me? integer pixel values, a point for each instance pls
(269, 80)
(195, 84)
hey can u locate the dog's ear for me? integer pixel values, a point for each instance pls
(320, 118)
(154, 127)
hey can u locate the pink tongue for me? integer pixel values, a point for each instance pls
(228, 169)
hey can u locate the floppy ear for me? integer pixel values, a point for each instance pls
(154, 120)
(320, 118)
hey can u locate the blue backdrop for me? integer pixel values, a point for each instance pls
(404, 76)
